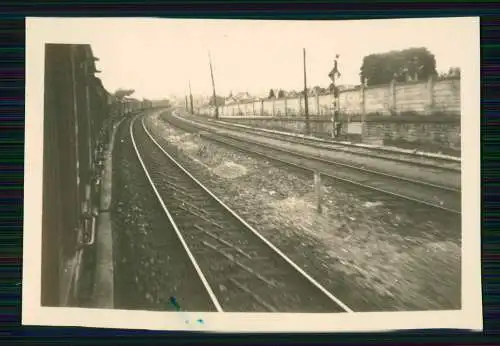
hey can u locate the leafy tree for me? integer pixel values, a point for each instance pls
(317, 90)
(454, 72)
(409, 64)
(122, 93)
(271, 94)
(281, 94)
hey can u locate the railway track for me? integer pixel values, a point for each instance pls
(444, 198)
(414, 159)
(430, 174)
(240, 270)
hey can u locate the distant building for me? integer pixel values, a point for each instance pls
(346, 87)
(240, 98)
(161, 103)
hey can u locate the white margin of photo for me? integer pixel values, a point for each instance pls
(48, 30)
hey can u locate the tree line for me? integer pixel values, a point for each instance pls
(412, 64)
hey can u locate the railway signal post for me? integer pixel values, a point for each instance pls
(336, 125)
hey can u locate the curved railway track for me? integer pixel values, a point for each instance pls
(240, 270)
(444, 198)
(414, 159)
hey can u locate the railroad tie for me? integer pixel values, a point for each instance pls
(223, 242)
(184, 202)
(253, 295)
(242, 266)
(201, 216)
(176, 188)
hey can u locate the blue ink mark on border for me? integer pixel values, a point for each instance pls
(173, 301)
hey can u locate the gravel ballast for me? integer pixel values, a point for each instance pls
(371, 256)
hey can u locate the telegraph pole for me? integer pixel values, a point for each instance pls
(213, 86)
(187, 108)
(191, 98)
(306, 106)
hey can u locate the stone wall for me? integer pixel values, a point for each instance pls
(437, 134)
(433, 134)
(423, 114)
(423, 97)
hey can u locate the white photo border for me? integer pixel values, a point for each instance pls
(40, 31)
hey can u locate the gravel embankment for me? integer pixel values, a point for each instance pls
(369, 255)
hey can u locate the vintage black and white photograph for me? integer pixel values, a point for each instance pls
(231, 174)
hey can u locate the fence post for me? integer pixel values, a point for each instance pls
(317, 105)
(392, 92)
(430, 89)
(318, 190)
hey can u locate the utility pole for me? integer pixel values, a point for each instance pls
(213, 86)
(306, 106)
(187, 108)
(191, 98)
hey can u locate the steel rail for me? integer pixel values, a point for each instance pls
(337, 163)
(249, 227)
(271, 157)
(267, 155)
(316, 142)
(338, 146)
(173, 223)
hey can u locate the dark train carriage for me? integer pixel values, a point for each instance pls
(75, 111)
(100, 109)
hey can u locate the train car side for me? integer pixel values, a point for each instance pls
(78, 118)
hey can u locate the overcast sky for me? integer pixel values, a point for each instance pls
(157, 57)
